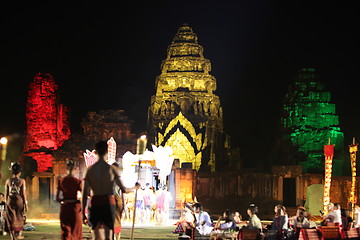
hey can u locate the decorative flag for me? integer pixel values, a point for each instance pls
(329, 154)
(111, 151)
(353, 149)
(90, 158)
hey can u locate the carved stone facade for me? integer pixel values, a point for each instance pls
(47, 121)
(309, 121)
(185, 113)
(96, 126)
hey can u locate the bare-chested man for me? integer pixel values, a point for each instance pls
(100, 178)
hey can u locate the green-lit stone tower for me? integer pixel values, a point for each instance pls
(308, 121)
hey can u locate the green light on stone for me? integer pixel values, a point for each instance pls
(310, 120)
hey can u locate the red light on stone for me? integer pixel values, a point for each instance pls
(46, 119)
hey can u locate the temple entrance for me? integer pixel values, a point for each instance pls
(289, 192)
(44, 191)
(42, 188)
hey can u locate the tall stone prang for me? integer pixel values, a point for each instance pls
(185, 113)
(309, 121)
(47, 121)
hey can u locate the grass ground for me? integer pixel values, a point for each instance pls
(51, 231)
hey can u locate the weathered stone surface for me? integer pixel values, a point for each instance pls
(185, 113)
(309, 121)
(47, 121)
(96, 126)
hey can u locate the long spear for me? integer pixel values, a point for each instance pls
(140, 149)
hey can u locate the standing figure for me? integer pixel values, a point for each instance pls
(119, 198)
(67, 195)
(139, 218)
(149, 198)
(129, 205)
(16, 203)
(167, 200)
(159, 206)
(2, 214)
(100, 178)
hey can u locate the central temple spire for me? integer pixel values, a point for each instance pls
(185, 114)
(185, 34)
(185, 68)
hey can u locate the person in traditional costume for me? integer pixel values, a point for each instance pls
(119, 198)
(100, 178)
(16, 203)
(67, 194)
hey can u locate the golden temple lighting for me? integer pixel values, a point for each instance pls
(185, 114)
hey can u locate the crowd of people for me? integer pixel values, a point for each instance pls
(152, 206)
(102, 201)
(194, 219)
(94, 201)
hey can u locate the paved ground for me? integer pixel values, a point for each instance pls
(51, 231)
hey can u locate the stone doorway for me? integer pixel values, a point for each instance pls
(43, 189)
(289, 192)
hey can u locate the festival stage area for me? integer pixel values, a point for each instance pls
(50, 230)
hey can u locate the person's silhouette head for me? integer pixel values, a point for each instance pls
(101, 148)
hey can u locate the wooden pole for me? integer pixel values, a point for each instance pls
(140, 149)
(134, 212)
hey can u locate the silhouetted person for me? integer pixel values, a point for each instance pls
(100, 178)
(70, 211)
(16, 203)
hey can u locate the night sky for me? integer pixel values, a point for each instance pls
(107, 56)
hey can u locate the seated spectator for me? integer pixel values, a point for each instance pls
(226, 221)
(237, 217)
(254, 221)
(186, 222)
(203, 221)
(280, 221)
(333, 215)
(357, 216)
(300, 219)
(347, 221)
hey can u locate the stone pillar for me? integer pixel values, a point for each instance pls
(280, 189)
(35, 189)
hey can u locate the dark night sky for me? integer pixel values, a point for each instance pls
(112, 55)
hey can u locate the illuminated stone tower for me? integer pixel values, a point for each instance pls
(309, 120)
(47, 121)
(185, 113)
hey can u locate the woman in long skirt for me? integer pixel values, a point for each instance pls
(16, 203)
(70, 211)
